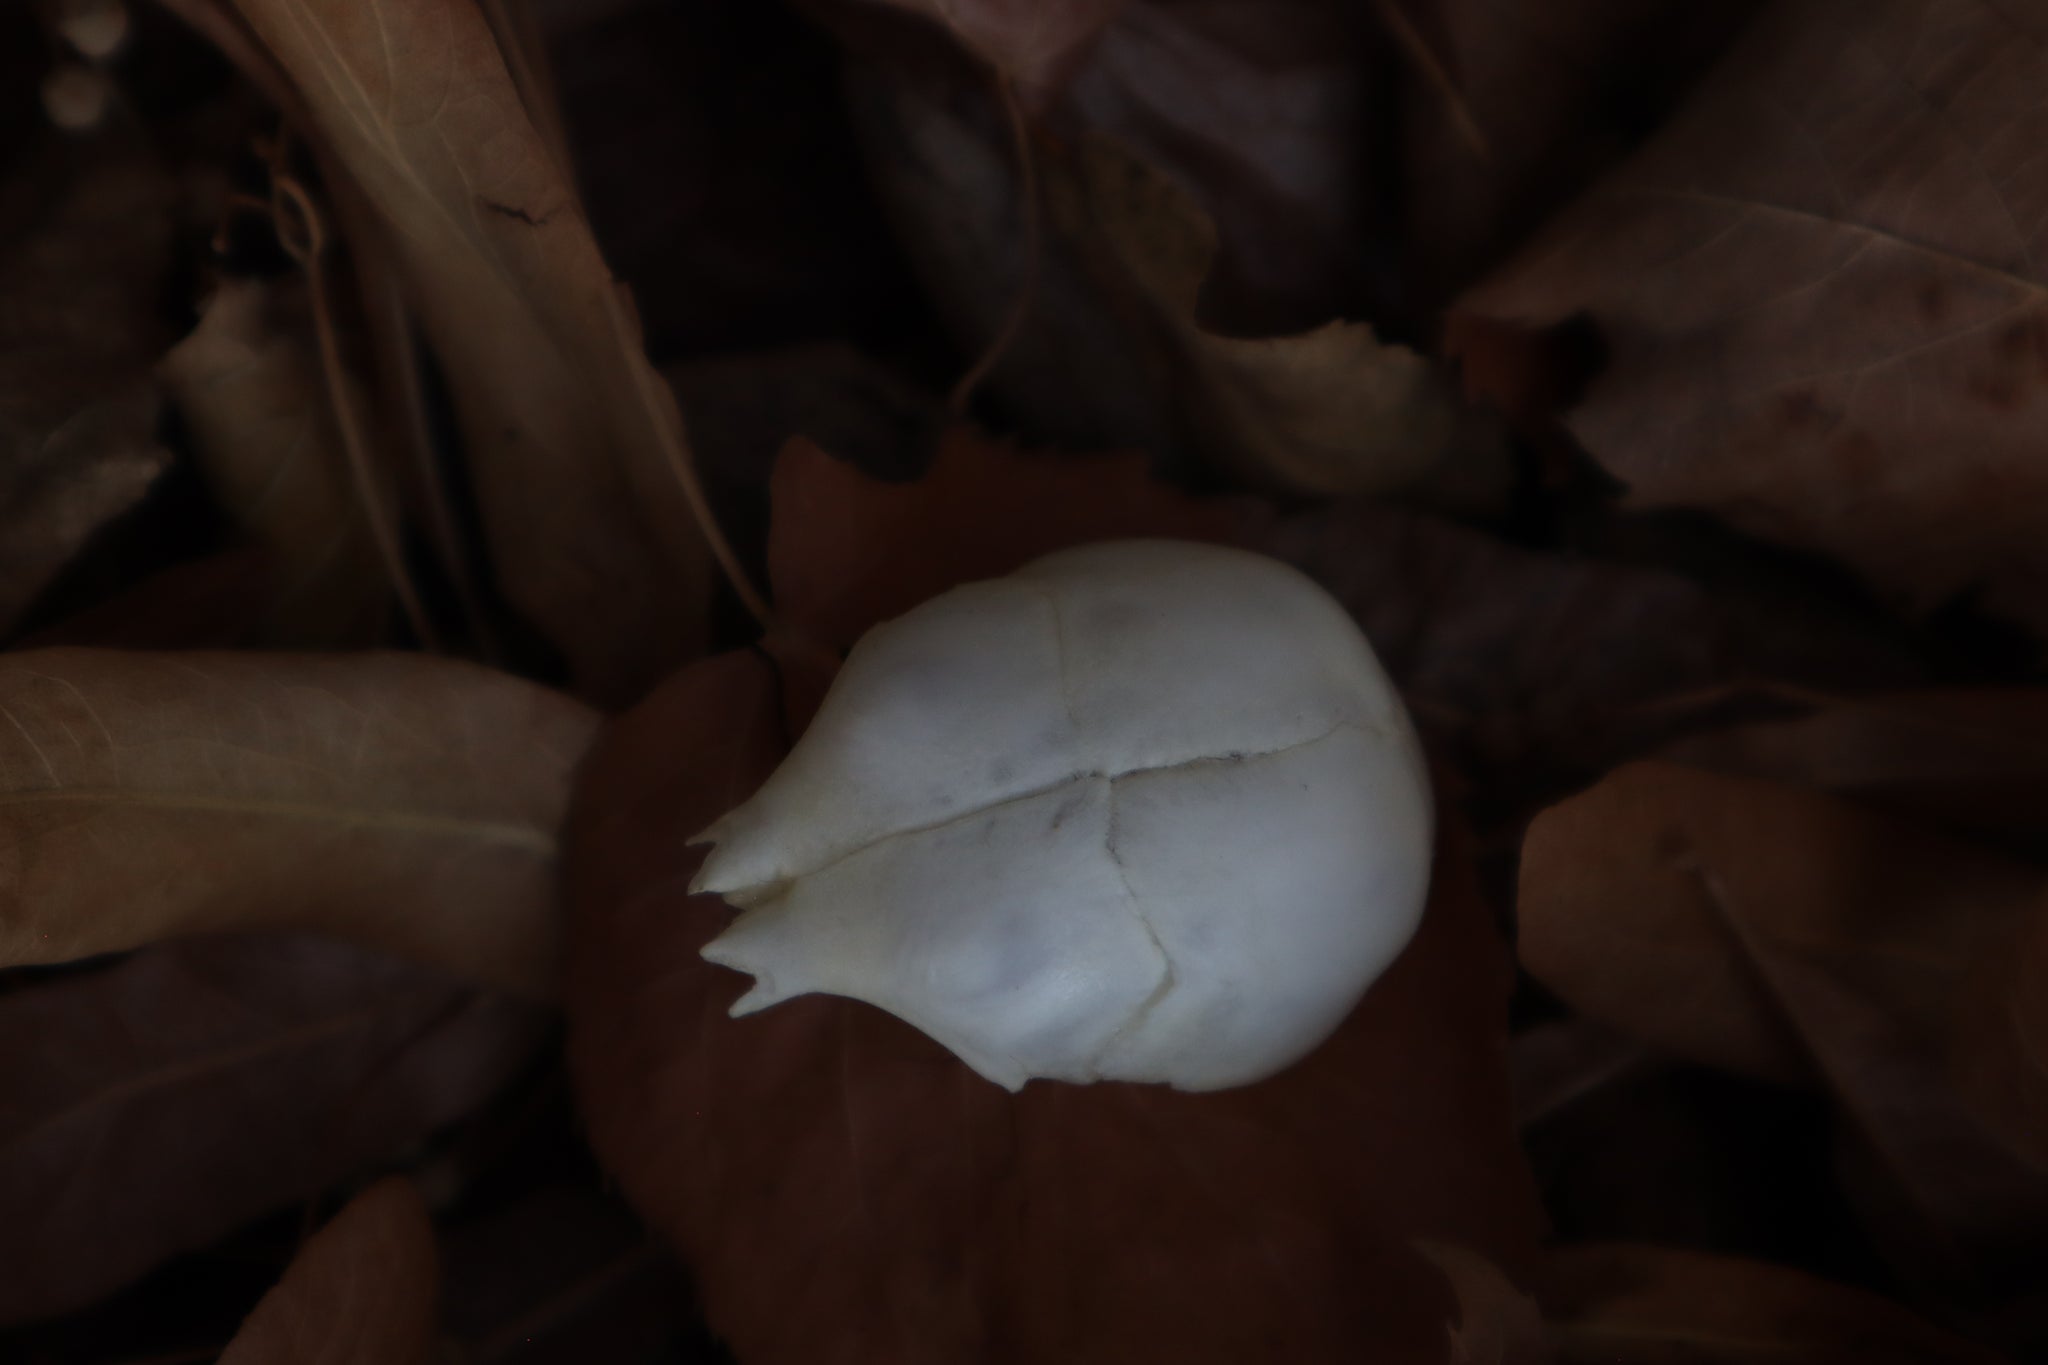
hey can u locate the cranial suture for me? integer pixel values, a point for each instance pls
(1142, 810)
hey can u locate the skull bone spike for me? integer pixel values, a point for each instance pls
(1141, 811)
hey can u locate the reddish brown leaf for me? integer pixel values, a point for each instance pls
(402, 801)
(828, 1169)
(173, 1096)
(362, 1292)
(1794, 936)
(1822, 294)
(1619, 1304)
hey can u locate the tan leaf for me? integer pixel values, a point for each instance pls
(1822, 292)
(1622, 1304)
(363, 1291)
(1334, 410)
(1794, 936)
(194, 1086)
(250, 388)
(85, 238)
(567, 425)
(400, 801)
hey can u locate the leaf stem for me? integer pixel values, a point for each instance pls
(346, 420)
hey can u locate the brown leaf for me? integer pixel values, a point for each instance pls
(1334, 410)
(2000, 1054)
(564, 1277)
(249, 385)
(1557, 91)
(1032, 42)
(1821, 291)
(1497, 1323)
(85, 236)
(1530, 668)
(1264, 114)
(1518, 664)
(846, 551)
(1973, 758)
(1620, 1304)
(175, 1095)
(363, 1291)
(567, 425)
(1793, 936)
(405, 802)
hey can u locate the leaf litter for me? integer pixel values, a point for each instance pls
(504, 352)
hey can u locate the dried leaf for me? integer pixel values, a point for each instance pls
(404, 802)
(1620, 1304)
(173, 1096)
(1334, 410)
(1821, 292)
(1265, 115)
(1558, 92)
(1497, 1323)
(563, 415)
(1034, 43)
(250, 387)
(1790, 935)
(85, 236)
(564, 1277)
(2000, 1054)
(847, 551)
(1520, 665)
(361, 1292)
(1974, 758)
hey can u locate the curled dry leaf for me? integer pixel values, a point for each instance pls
(1262, 114)
(362, 1291)
(569, 430)
(403, 802)
(174, 1096)
(1793, 936)
(1334, 410)
(1623, 1304)
(1822, 294)
(250, 388)
(85, 238)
